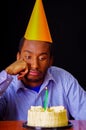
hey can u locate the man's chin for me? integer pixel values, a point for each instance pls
(33, 79)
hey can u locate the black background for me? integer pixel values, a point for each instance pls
(66, 19)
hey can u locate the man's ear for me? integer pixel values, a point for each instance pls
(18, 56)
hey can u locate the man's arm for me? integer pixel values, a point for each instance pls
(19, 67)
(77, 101)
(5, 80)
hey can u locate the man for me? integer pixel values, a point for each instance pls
(23, 83)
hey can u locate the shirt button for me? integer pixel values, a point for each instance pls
(7, 81)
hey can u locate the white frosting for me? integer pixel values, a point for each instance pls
(52, 117)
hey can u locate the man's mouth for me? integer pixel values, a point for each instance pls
(34, 72)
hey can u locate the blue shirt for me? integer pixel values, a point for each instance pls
(63, 89)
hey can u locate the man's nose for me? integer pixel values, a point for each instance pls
(34, 63)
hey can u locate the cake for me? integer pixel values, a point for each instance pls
(55, 116)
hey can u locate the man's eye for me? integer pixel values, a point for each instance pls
(42, 58)
(27, 57)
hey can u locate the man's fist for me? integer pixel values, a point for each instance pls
(18, 67)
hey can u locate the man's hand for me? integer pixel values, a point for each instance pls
(19, 67)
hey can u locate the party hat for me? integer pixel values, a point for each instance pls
(37, 28)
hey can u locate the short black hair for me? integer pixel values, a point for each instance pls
(21, 42)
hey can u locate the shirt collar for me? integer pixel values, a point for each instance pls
(49, 76)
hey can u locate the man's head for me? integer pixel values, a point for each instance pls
(35, 48)
(38, 55)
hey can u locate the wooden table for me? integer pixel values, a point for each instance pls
(18, 125)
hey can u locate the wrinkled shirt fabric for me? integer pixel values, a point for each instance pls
(63, 89)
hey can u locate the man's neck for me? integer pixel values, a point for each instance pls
(32, 84)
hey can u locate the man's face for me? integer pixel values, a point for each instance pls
(37, 55)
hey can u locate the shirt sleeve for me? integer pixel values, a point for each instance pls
(5, 80)
(77, 101)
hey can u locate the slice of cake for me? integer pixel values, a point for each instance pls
(55, 116)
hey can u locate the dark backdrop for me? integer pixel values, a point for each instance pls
(66, 19)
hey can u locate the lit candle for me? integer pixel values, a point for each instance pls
(46, 99)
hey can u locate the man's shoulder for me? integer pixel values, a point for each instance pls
(59, 72)
(53, 69)
(62, 76)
